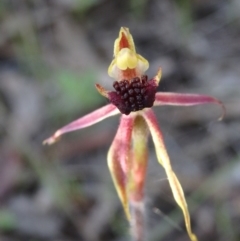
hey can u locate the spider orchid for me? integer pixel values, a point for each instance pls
(133, 97)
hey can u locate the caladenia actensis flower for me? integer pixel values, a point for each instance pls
(133, 98)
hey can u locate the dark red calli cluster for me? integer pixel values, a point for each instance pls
(133, 95)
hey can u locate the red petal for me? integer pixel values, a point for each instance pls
(179, 99)
(119, 158)
(85, 121)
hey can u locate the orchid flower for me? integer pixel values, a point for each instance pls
(133, 97)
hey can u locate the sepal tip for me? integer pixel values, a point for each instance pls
(223, 111)
(158, 76)
(51, 140)
(101, 90)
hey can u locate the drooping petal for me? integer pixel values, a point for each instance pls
(119, 159)
(85, 121)
(180, 99)
(164, 160)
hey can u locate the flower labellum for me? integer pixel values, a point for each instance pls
(133, 96)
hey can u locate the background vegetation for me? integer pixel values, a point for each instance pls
(52, 52)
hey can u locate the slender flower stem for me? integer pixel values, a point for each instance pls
(137, 222)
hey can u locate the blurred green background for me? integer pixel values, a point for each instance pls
(52, 52)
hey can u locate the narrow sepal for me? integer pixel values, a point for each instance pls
(158, 76)
(119, 159)
(164, 160)
(139, 160)
(85, 121)
(101, 90)
(180, 99)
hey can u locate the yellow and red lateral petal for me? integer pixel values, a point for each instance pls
(180, 99)
(119, 159)
(85, 121)
(164, 160)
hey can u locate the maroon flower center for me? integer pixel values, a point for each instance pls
(133, 95)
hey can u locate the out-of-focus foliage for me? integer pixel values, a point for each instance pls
(52, 52)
